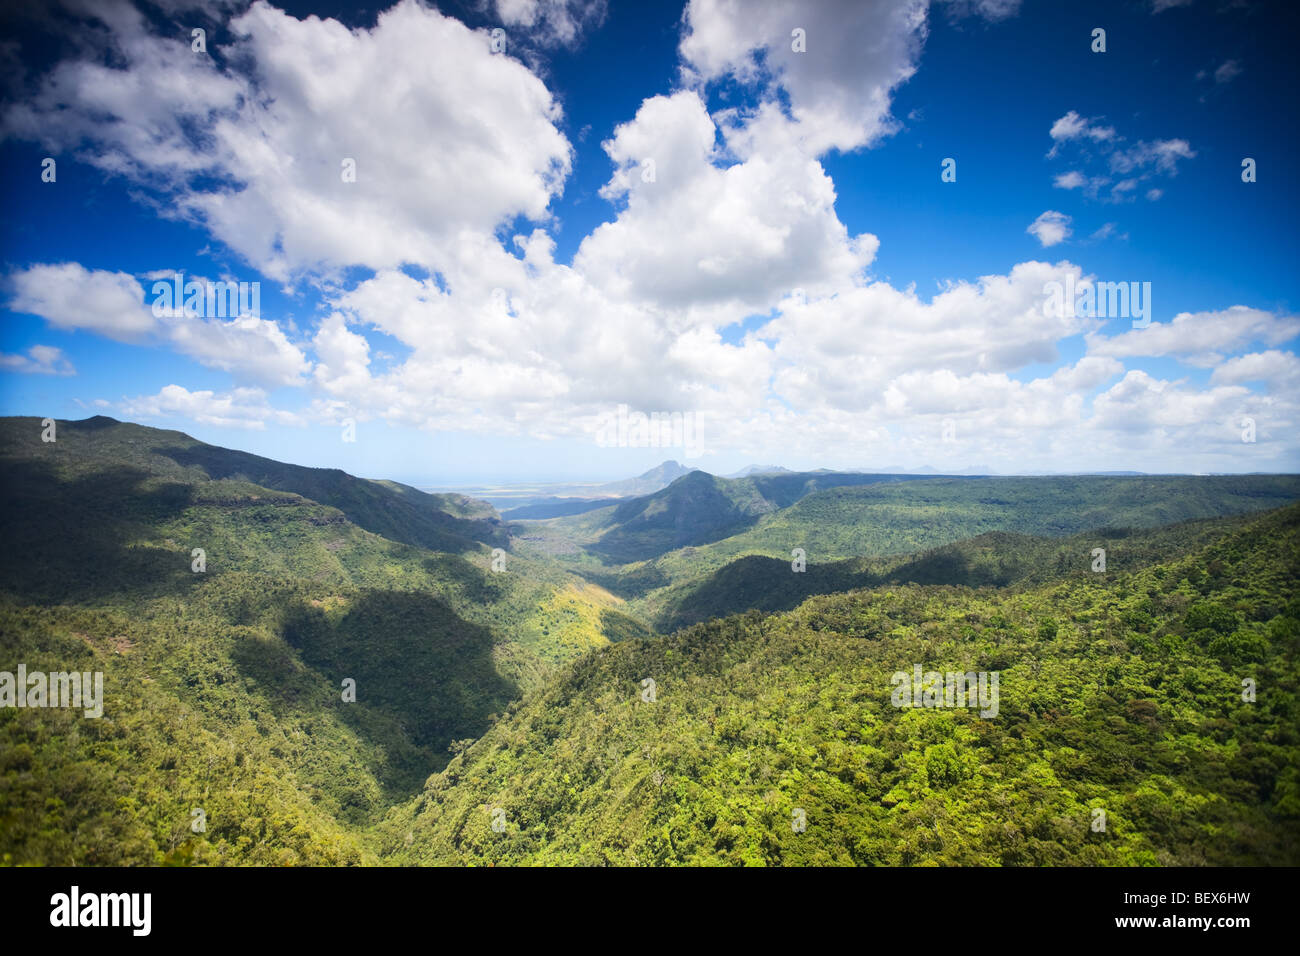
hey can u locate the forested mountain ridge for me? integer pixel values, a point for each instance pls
(521, 690)
(92, 445)
(1121, 693)
(225, 616)
(113, 512)
(695, 509)
(872, 518)
(991, 559)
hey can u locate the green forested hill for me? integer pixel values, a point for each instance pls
(85, 450)
(108, 514)
(98, 572)
(521, 690)
(992, 559)
(889, 518)
(1120, 692)
(696, 509)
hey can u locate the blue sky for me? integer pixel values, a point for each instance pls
(617, 209)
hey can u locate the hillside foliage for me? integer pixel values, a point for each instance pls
(519, 696)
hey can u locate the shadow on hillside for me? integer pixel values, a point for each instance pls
(629, 584)
(758, 583)
(769, 584)
(72, 540)
(946, 566)
(425, 677)
(643, 541)
(227, 463)
(473, 583)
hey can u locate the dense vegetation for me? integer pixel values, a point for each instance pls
(224, 687)
(842, 518)
(1120, 692)
(521, 691)
(993, 559)
(696, 509)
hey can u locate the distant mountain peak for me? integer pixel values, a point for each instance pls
(660, 476)
(665, 467)
(750, 470)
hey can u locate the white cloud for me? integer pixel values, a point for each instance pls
(1096, 143)
(552, 22)
(461, 140)
(39, 360)
(839, 94)
(845, 351)
(1163, 154)
(530, 344)
(252, 349)
(712, 239)
(1143, 404)
(1072, 126)
(1277, 369)
(343, 357)
(1050, 228)
(238, 408)
(70, 296)
(1199, 338)
(856, 361)
(738, 215)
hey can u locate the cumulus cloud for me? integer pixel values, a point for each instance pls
(1072, 126)
(840, 88)
(70, 296)
(552, 22)
(1050, 228)
(112, 304)
(1101, 145)
(1274, 368)
(1142, 404)
(1200, 338)
(700, 235)
(39, 360)
(531, 357)
(251, 348)
(716, 220)
(238, 408)
(343, 357)
(538, 348)
(846, 350)
(459, 141)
